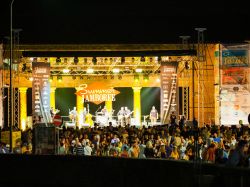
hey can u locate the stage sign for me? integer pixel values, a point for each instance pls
(169, 95)
(41, 92)
(235, 86)
(97, 93)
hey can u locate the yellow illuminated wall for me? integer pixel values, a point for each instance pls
(23, 107)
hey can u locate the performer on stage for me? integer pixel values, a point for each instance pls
(127, 115)
(121, 116)
(153, 115)
(73, 115)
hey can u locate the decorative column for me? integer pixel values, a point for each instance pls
(53, 97)
(137, 105)
(108, 105)
(23, 107)
(79, 108)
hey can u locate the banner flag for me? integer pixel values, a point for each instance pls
(169, 91)
(41, 92)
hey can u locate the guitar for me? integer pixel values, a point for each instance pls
(128, 115)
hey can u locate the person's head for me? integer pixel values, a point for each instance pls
(126, 108)
(153, 107)
(122, 108)
(149, 144)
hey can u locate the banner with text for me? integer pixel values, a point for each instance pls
(41, 92)
(235, 85)
(96, 93)
(169, 95)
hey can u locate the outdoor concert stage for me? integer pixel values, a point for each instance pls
(138, 76)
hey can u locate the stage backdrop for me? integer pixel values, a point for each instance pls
(235, 85)
(66, 99)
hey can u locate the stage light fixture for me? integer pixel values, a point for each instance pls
(90, 70)
(145, 77)
(138, 70)
(112, 76)
(116, 70)
(122, 60)
(31, 79)
(142, 59)
(159, 58)
(58, 60)
(158, 80)
(74, 77)
(76, 60)
(105, 76)
(136, 77)
(24, 67)
(31, 59)
(65, 60)
(46, 59)
(94, 60)
(66, 70)
(59, 78)
(81, 77)
(187, 66)
(119, 77)
(133, 59)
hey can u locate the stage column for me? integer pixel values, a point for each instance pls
(23, 107)
(108, 105)
(137, 105)
(53, 97)
(79, 108)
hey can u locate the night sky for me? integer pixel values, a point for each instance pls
(81, 21)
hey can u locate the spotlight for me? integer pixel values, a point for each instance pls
(146, 77)
(85, 60)
(59, 78)
(142, 59)
(138, 70)
(74, 77)
(66, 70)
(105, 76)
(187, 66)
(136, 77)
(58, 60)
(51, 79)
(31, 79)
(94, 60)
(119, 77)
(158, 80)
(81, 77)
(116, 70)
(65, 60)
(24, 67)
(76, 60)
(112, 76)
(122, 60)
(90, 70)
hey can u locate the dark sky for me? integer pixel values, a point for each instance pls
(82, 21)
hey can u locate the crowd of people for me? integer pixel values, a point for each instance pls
(211, 143)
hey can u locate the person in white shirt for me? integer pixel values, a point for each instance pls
(87, 149)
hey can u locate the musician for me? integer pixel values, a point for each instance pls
(73, 115)
(104, 111)
(121, 115)
(127, 115)
(84, 114)
(153, 115)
